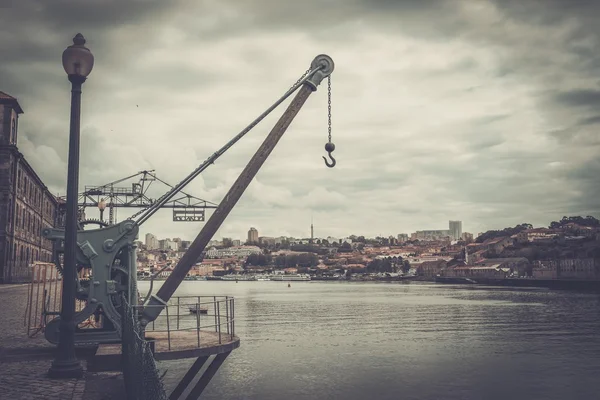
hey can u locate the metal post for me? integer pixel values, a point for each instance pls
(219, 318)
(168, 329)
(227, 313)
(66, 364)
(178, 312)
(198, 323)
(232, 318)
(215, 310)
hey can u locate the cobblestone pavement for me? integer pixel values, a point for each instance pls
(24, 361)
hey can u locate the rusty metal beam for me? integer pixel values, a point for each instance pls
(207, 376)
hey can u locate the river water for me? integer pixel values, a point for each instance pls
(355, 341)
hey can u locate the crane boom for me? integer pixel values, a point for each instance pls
(321, 67)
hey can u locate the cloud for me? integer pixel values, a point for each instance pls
(479, 111)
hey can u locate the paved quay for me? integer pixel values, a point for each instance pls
(24, 361)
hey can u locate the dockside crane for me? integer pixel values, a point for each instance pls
(109, 253)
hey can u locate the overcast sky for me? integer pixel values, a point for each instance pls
(481, 111)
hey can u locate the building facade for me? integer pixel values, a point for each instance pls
(252, 235)
(455, 228)
(151, 242)
(26, 204)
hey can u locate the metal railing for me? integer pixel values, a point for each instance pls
(44, 296)
(201, 314)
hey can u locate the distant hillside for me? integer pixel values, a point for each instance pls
(504, 232)
(555, 250)
(581, 221)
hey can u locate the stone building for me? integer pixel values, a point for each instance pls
(26, 205)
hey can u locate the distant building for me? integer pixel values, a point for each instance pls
(252, 235)
(455, 228)
(236, 251)
(268, 241)
(402, 237)
(581, 268)
(26, 204)
(430, 235)
(431, 269)
(151, 242)
(168, 244)
(467, 237)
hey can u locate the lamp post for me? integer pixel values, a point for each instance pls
(77, 62)
(101, 207)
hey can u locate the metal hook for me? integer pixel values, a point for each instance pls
(329, 147)
(332, 164)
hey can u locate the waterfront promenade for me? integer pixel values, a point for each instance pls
(25, 361)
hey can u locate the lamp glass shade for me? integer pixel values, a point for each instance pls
(101, 205)
(78, 59)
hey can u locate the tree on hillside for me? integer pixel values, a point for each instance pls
(405, 266)
(380, 265)
(259, 259)
(504, 232)
(345, 248)
(587, 221)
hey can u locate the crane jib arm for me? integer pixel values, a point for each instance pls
(324, 67)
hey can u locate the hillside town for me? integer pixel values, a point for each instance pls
(567, 249)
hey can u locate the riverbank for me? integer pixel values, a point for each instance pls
(555, 284)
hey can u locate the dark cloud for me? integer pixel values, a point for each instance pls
(442, 109)
(580, 98)
(590, 120)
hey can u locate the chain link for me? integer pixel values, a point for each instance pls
(329, 106)
(302, 77)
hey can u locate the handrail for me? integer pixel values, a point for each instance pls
(219, 316)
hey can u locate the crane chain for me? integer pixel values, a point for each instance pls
(329, 106)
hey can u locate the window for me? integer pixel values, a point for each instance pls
(13, 132)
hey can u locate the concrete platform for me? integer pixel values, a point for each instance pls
(174, 345)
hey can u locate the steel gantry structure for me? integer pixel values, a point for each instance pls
(114, 195)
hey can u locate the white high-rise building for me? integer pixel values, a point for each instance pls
(455, 229)
(151, 242)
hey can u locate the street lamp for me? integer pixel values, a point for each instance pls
(78, 62)
(101, 207)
